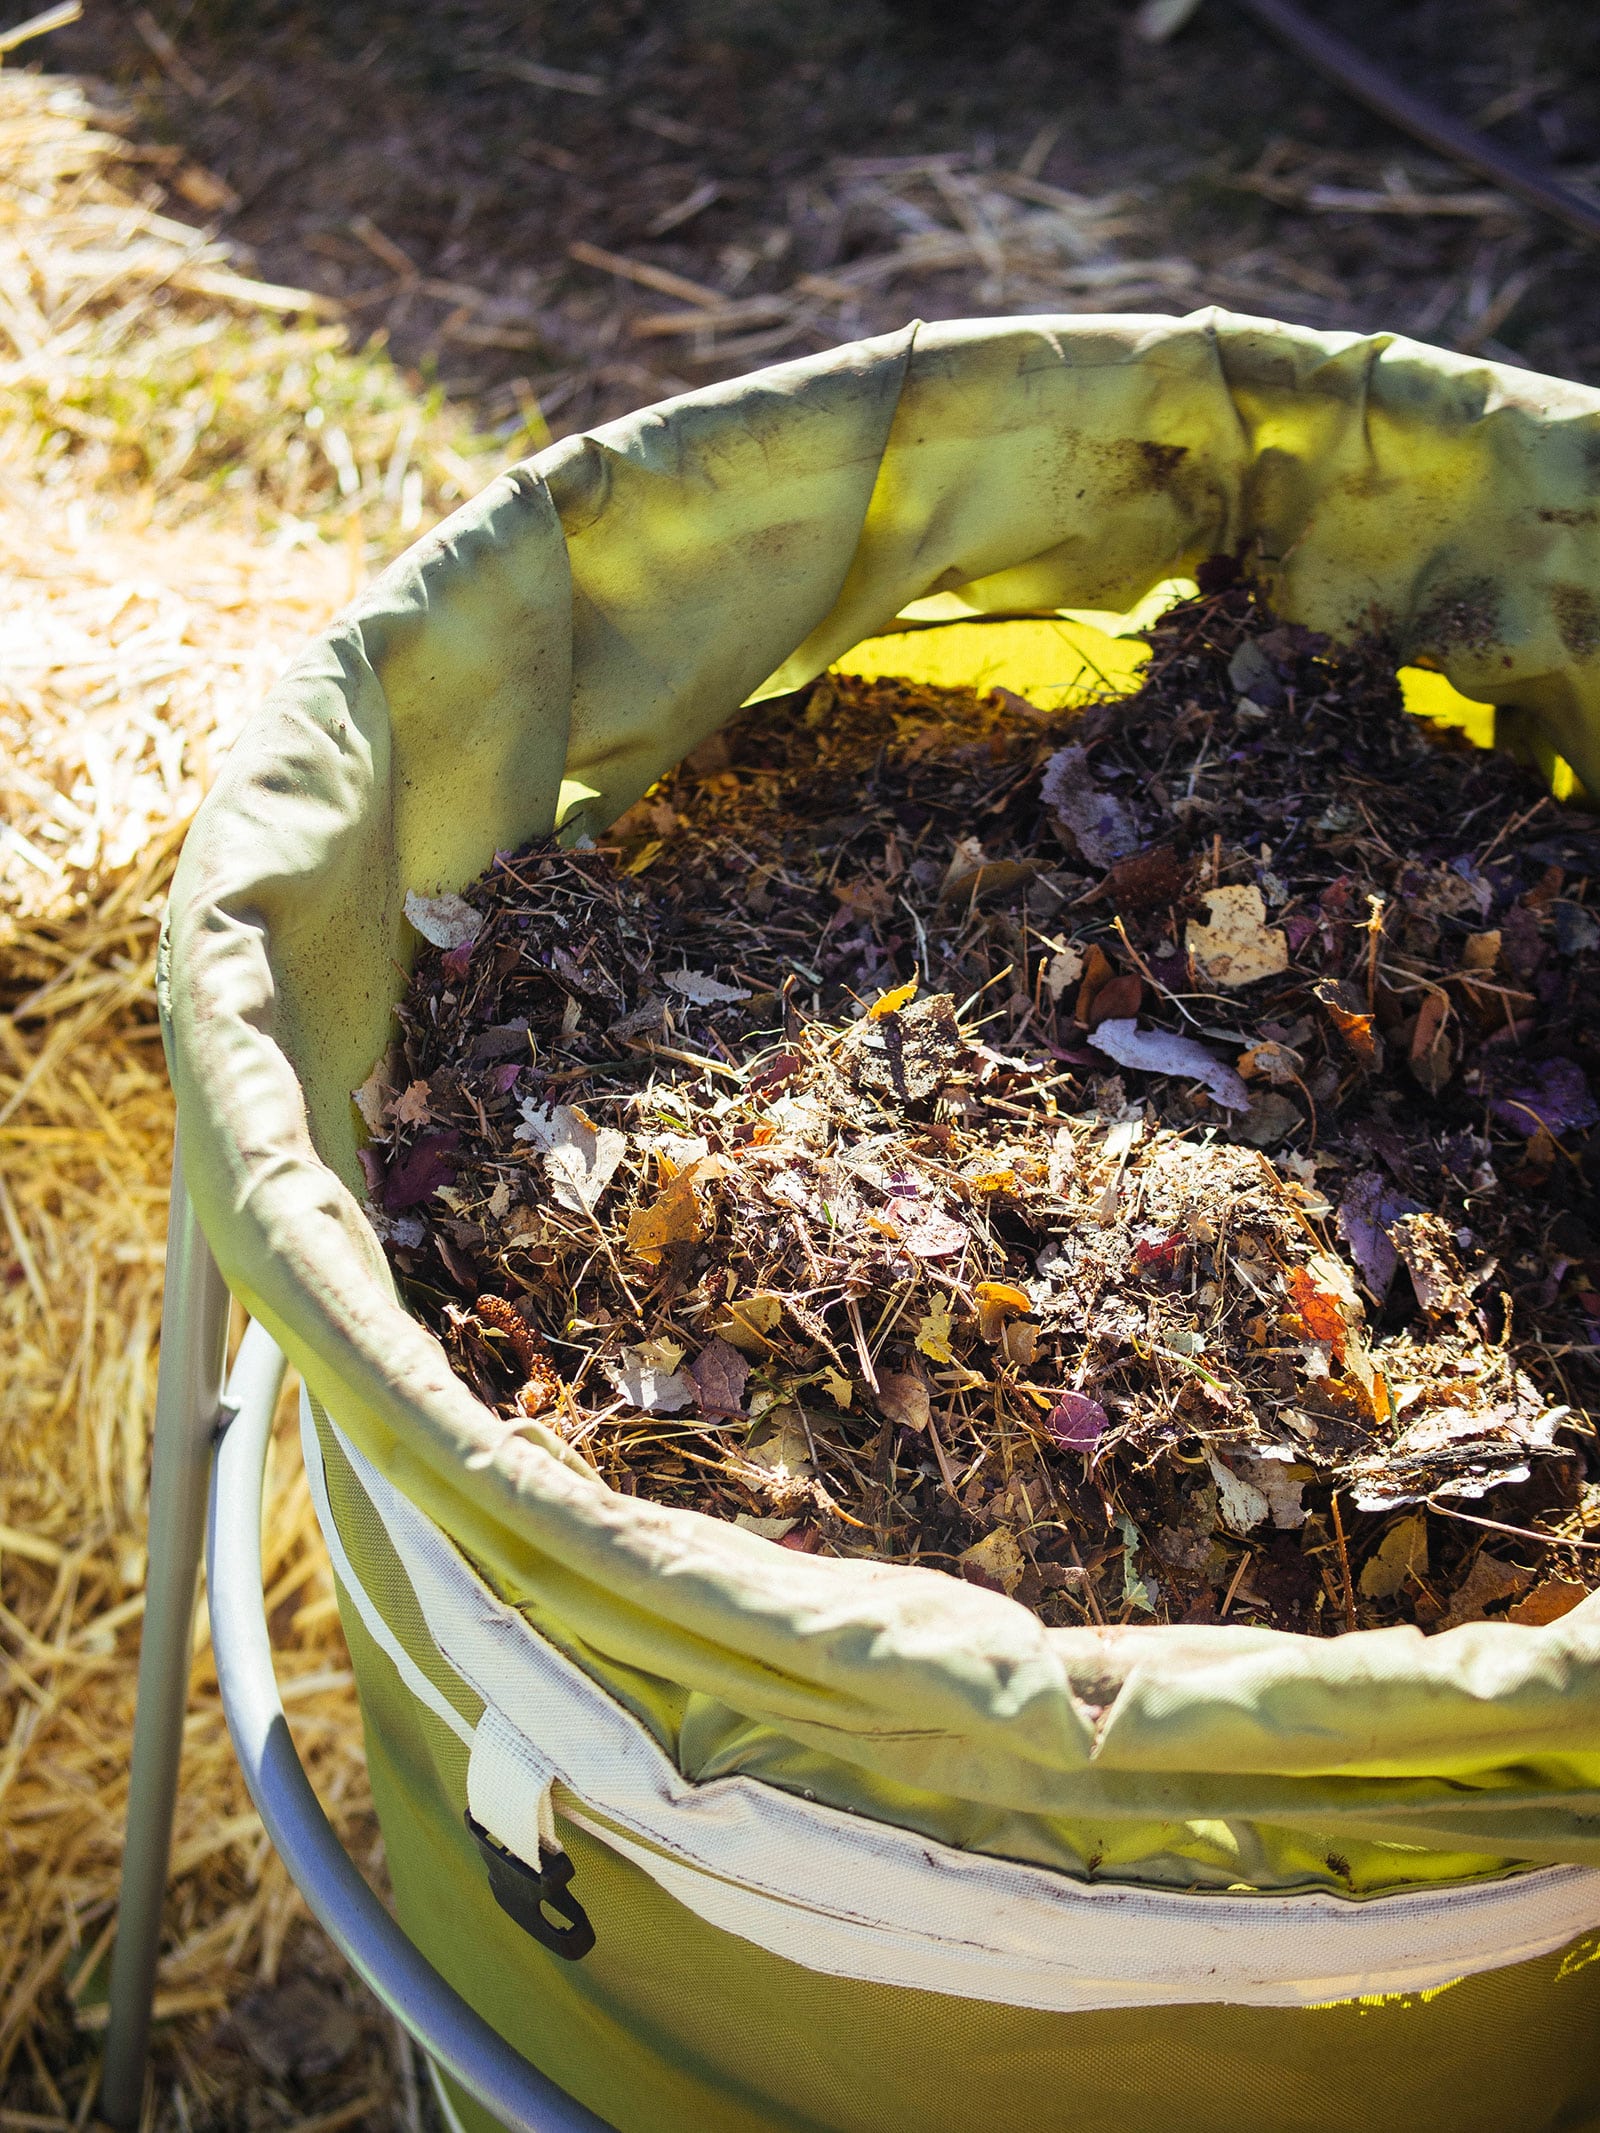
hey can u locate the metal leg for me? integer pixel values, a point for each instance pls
(453, 2035)
(194, 1335)
(205, 1489)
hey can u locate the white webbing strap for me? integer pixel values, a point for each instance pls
(853, 1897)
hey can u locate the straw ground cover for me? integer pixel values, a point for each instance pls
(194, 470)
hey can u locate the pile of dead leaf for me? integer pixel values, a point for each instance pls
(1140, 1160)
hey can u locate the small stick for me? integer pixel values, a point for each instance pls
(1374, 931)
(942, 1456)
(1344, 1564)
(852, 1311)
(1495, 1525)
(1237, 1579)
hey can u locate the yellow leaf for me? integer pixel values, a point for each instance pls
(1236, 946)
(643, 857)
(840, 1388)
(996, 1561)
(890, 1003)
(934, 1330)
(673, 1218)
(748, 1322)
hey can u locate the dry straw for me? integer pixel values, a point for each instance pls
(193, 471)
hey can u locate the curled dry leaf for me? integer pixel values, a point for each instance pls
(903, 1398)
(1431, 1058)
(1102, 826)
(411, 1105)
(446, 921)
(1350, 1016)
(580, 1160)
(998, 1301)
(1020, 1341)
(1118, 1000)
(374, 1097)
(890, 1003)
(1158, 1052)
(700, 990)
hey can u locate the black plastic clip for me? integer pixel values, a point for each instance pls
(526, 1893)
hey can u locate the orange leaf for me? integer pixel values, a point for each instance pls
(674, 1216)
(1354, 1024)
(998, 1301)
(1320, 1312)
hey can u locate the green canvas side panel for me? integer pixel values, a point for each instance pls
(671, 2026)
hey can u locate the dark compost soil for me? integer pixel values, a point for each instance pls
(1138, 1159)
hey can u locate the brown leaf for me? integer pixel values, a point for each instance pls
(1236, 946)
(1486, 1582)
(1148, 880)
(866, 901)
(1097, 973)
(674, 1216)
(1118, 1000)
(996, 1561)
(719, 1374)
(749, 1320)
(1428, 1250)
(991, 879)
(1021, 1343)
(1548, 1602)
(1401, 1554)
(903, 1398)
(1431, 1056)
(411, 1106)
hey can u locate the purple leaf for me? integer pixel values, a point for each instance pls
(1156, 1051)
(1555, 1096)
(503, 1079)
(1077, 1422)
(419, 1173)
(719, 1372)
(1365, 1212)
(1101, 823)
